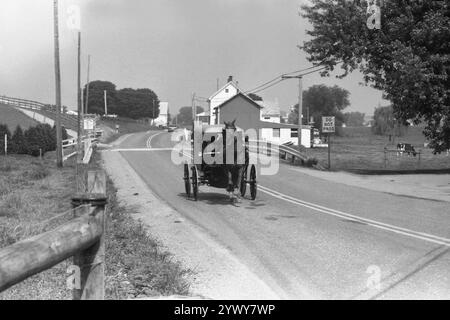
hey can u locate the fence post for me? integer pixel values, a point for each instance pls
(91, 262)
(385, 157)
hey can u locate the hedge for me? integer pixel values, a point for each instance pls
(34, 141)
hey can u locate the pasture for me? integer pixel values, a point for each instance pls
(12, 117)
(357, 149)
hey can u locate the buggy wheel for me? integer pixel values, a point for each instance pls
(194, 182)
(244, 182)
(252, 181)
(187, 180)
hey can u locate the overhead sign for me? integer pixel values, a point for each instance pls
(328, 124)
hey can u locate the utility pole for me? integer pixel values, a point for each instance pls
(153, 110)
(106, 104)
(300, 105)
(59, 159)
(194, 111)
(87, 84)
(79, 103)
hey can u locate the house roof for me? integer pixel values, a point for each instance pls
(240, 94)
(226, 85)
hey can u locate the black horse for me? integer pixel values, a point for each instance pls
(234, 171)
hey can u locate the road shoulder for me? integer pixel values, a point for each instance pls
(430, 186)
(218, 274)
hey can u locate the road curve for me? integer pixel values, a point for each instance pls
(310, 238)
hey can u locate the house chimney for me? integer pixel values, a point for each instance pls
(230, 78)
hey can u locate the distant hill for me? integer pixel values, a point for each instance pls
(13, 117)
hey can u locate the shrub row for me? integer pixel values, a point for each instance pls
(41, 138)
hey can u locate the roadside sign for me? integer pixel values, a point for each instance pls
(328, 124)
(88, 124)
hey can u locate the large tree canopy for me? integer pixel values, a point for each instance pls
(408, 58)
(322, 101)
(130, 103)
(184, 115)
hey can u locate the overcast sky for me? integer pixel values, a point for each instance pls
(174, 47)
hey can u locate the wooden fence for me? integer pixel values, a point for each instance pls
(83, 238)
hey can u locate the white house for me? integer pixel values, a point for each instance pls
(223, 94)
(281, 133)
(270, 112)
(163, 114)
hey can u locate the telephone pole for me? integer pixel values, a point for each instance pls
(79, 103)
(59, 159)
(194, 111)
(87, 85)
(106, 103)
(300, 105)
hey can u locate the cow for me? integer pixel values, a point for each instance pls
(406, 148)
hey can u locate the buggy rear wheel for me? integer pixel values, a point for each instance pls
(194, 182)
(187, 180)
(244, 182)
(253, 186)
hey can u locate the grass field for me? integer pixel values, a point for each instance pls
(12, 117)
(33, 191)
(359, 150)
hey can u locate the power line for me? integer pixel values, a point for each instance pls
(271, 83)
(269, 86)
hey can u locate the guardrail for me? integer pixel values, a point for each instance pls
(88, 143)
(35, 105)
(284, 151)
(83, 238)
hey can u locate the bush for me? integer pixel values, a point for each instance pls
(34, 141)
(18, 142)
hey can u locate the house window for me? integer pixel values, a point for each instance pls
(276, 132)
(294, 133)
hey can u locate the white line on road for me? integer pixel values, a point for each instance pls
(380, 225)
(149, 140)
(347, 216)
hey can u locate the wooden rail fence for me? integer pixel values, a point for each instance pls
(83, 238)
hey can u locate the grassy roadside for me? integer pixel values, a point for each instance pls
(33, 191)
(358, 150)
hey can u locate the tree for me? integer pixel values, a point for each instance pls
(18, 142)
(184, 116)
(385, 123)
(354, 119)
(137, 104)
(96, 103)
(408, 58)
(322, 101)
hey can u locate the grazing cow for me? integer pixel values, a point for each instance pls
(406, 148)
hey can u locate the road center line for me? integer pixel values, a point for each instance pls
(350, 217)
(149, 140)
(376, 224)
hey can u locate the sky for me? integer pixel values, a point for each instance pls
(174, 47)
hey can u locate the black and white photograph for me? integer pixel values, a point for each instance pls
(220, 157)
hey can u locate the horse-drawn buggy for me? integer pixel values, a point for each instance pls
(212, 167)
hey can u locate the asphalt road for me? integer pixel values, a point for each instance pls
(311, 238)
